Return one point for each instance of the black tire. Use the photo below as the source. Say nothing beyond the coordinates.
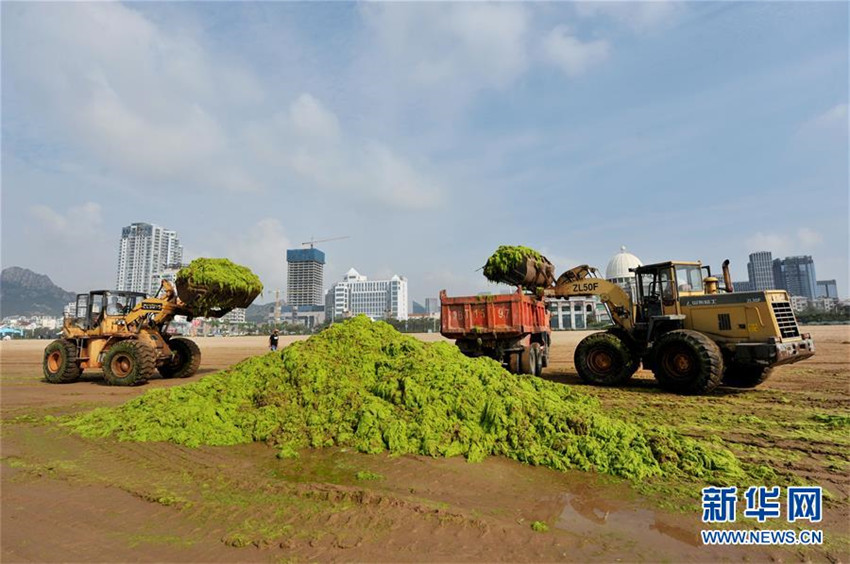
(527, 362)
(514, 363)
(634, 348)
(60, 362)
(129, 363)
(687, 362)
(603, 359)
(537, 356)
(743, 376)
(185, 361)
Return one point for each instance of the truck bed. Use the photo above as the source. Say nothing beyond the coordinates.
(505, 316)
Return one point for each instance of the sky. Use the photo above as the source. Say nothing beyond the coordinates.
(429, 134)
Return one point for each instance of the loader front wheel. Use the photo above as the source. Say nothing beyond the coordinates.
(60, 362)
(743, 376)
(603, 359)
(185, 360)
(129, 363)
(687, 362)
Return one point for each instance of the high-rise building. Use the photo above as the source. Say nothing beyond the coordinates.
(305, 276)
(760, 271)
(432, 306)
(827, 289)
(379, 299)
(144, 253)
(743, 286)
(797, 275)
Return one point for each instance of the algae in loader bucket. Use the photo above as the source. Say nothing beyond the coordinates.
(521, 266)
(215, 286)
(362, 384)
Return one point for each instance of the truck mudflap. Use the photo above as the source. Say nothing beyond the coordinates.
(775, 354)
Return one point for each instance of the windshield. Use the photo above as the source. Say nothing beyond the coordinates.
(689, 278)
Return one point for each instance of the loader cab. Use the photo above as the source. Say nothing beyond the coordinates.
(661, 285)
(94, 306)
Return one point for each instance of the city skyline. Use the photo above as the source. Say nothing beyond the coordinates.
(431, 134)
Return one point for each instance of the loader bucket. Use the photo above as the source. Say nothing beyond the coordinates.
(519, 266)
(213, 287)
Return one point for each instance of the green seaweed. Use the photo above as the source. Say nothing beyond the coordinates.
(539, 526)
(226, 285)
(364, 385)
(509, 259)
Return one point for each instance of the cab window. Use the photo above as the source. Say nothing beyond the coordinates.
(689, 278)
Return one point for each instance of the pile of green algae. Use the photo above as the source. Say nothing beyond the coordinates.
(363, 385)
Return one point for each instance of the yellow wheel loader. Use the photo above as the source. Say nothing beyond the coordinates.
(692, 334)
(125, 334)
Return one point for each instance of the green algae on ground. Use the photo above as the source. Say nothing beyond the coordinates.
(507, 260)
(362, 384)
(539, 527)
(225, 285)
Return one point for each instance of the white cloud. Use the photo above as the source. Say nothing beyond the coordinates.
(809, 237)
(68, 238)
(833, 120)
(441, 44)
(311, 119)
(638, 16)
(308, 142)
(803, 241)
(262, 248)
(147, 105)
(570, 54)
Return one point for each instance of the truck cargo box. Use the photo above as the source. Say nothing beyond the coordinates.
(493, 316)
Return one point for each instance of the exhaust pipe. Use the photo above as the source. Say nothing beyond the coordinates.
(727, 278)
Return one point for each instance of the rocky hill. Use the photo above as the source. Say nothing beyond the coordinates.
(24, 292)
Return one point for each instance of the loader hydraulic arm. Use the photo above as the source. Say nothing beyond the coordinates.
(584, 281)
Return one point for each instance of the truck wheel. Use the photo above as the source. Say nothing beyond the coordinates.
(743, 376)
(687, 362)
(604, 360)
(537, 355)
(60, 362)
(128, 363)
(527, 361)
(514, 363)
(185, 361)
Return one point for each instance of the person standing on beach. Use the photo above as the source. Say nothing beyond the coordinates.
(273, 338)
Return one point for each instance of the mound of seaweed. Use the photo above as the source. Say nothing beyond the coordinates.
(362, 384)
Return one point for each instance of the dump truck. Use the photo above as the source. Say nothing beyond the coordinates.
(682, 325)
(510, 328)
(126, 335)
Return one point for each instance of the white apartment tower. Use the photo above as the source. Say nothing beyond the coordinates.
(145, 252)
(378, 299)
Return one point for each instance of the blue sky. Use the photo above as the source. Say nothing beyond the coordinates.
(428, 133)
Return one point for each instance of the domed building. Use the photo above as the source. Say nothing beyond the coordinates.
(618, 271)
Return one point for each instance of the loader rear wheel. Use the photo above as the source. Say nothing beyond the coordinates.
(128, 363)
(185, 360)
(604, 360)
(687, 362)
(743, 376)
(60, 362)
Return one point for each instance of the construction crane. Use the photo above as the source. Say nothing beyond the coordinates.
(313, 241)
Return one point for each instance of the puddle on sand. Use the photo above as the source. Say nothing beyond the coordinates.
(589, 515)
